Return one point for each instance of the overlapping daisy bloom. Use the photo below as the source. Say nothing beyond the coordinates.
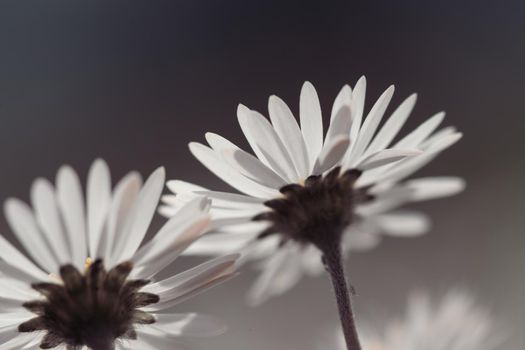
(301, 185)
(455, 322)
(87, 279)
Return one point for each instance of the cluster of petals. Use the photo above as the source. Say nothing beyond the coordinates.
(63, 226)
(287, 152)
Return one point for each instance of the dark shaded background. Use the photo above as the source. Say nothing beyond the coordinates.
(134, 81)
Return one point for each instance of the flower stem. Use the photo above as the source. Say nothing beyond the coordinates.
(333, 262)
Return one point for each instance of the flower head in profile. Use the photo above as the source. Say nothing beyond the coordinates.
(87, 279)
(302, 192)
(455, 322)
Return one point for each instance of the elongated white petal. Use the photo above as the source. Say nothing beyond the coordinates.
(175, 236)
(403, 223)
(331, 154)
(434, 187)
(8, 333)
(344, 97)
(409, 166)
(185, 285)
(98, 202)
(215, 164)
(245, 163)
(357, 107)
(290, 134)
(178, 186)
(71, 204)
(222, 242)
(419, 134)
(47, 215)
(149, 338)
(14, 264)
(231, 200)
(311, 121)
(392, 126)
(340, 125)
(280, 273)
(23, 224)
(252, 168)
(265, 143)
(189, 325)
(370, 125)
(22, 341)
(139, 217)
(384, 157)
(124, 195)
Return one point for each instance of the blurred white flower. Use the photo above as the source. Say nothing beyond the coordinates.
(455, 322)
(302, 189)
(64, 298)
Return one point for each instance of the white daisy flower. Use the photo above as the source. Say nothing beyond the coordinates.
(456, 322)
(61, 296)
(301, 192)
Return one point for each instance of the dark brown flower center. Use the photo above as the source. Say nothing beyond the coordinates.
(91, 309)
(318, 211)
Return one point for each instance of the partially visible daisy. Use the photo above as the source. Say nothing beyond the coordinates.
(87, 280)
(306, 197)
(455, 322)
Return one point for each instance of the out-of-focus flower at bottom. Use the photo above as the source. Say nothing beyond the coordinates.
(455, 322)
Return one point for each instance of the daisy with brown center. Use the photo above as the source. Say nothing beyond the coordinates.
(307, 198)
(88, 280)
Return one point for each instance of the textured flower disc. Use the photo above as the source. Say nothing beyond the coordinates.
(318, 212)
(91, 309)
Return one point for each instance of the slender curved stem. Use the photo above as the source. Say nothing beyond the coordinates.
(334, 266)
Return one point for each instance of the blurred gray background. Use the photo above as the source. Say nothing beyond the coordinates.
(135, 81)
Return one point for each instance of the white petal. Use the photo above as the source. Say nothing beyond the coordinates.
(370, 126)
(384, 157)
(124, 196)
(19, 342)
(290, 134)
(178, 186)
(231, 200)
(449, 130)
(139, 217)
(98, 202)
(409, 166)
(48, 217)
(222, 243)
(9, 332)
(252, 168)
(281, 272)
(434, 187)
(340, 125)
(311, 121)
(403, 223)
(153, 339)
(71, 204)
(265, 143)
(392, 126)
(224, 171)
(245, 163)
(175, 236)
(357, 107)
(385, 201)
(12, 258)
(23, 224)
(419, 134)
(189, 325)
(332, 154)
(358, 238)
(189, 283)
(344, 97)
